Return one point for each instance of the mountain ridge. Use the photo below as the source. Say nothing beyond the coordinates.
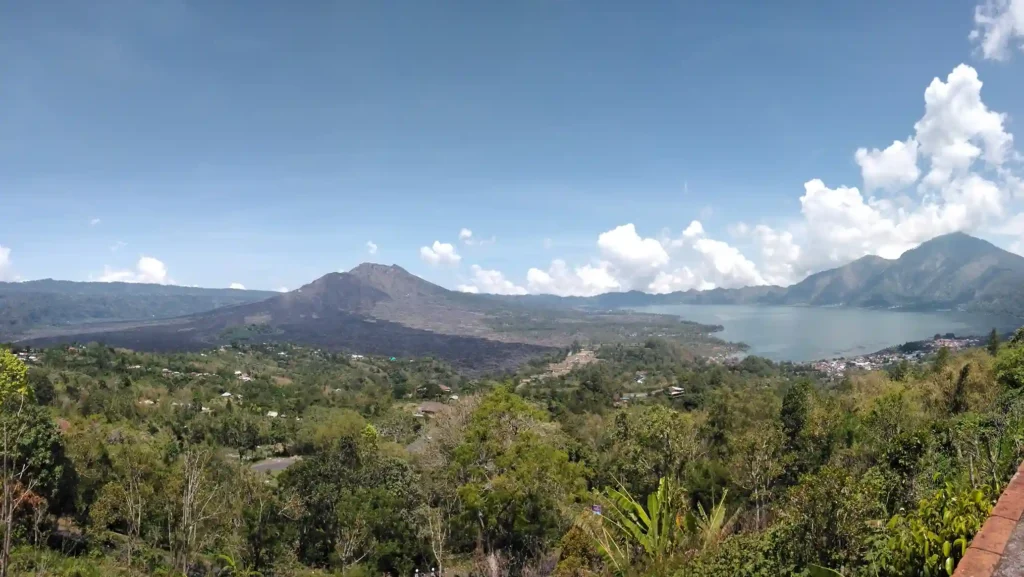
(955, 270)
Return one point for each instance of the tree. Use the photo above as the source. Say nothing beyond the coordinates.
(1018, 337)
(1009, 367)
(648, 443)
(757, 460)
(269, 520)
(958, 397)
(197, 503)
(438, 527)
(355, 506)
(795, 406)
(42, 387)
(993, 343)
(128, 498)
(515, 480)
(941, 359)
(32, 460)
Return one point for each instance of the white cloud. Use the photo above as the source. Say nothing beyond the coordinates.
(147, 270)
(694, 229)
(891, 169)
(624, 246)
(6, 273)
(371, 247)
(682, 279)
(780, 255)
(726, 266)
(547, 243)
(998, 25)
(957, 127)
(283, 289)
(237, 286)
(587, 280)
(491, 282)
(440, 253)
(955, 172)
(117, 246)
(94, 222)
(467, 238)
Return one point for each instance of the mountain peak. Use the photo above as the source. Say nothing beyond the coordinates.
(371, 268)
(394, 280)
(955, 245)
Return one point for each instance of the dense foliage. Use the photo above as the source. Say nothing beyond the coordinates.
(279, 460)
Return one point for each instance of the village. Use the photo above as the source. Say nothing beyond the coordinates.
(910, 352)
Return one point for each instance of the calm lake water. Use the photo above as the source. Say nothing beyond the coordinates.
(785, 333)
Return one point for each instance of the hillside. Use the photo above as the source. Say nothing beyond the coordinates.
(947, 272)
(954, 271)
(385, 310)
(47, 304)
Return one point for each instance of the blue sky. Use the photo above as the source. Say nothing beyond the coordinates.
(267, 144)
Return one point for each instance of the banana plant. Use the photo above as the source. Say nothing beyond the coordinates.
(233, 568)
(710, 527)
(628, 527)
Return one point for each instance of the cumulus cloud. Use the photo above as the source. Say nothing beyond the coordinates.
(491, 282)
(147, 270)
(682, 279)
(466, 237)
(694, 229)
(440, 253)
(371, 247)
(890, 169)
(94, 222)
(954, 172)
(957, 127)
(999, 25)
(5, 264)
(625, 246)
(237, 286)
(726, 266)
(586, 280)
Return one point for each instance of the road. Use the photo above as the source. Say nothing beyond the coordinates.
(274, 464)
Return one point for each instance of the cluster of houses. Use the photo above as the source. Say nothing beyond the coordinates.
(670, 392)
(27, 357)
(430, 408)
(835, 368)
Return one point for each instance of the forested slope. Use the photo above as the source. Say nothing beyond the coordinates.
(131, 463)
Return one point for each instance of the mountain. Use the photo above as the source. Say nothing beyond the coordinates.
(385, 310)
(34, 306)
(953, 271)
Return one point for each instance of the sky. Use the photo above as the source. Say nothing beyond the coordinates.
(555, 146)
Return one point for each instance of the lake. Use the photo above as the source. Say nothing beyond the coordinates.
(794, 333)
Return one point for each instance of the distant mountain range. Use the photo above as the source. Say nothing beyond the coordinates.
(954, 271)
(378, 309)
(47, 304)
(385, 310)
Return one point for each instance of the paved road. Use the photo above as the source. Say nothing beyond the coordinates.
(275, 464)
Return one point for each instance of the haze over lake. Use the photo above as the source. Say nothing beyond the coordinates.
(793, 333)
